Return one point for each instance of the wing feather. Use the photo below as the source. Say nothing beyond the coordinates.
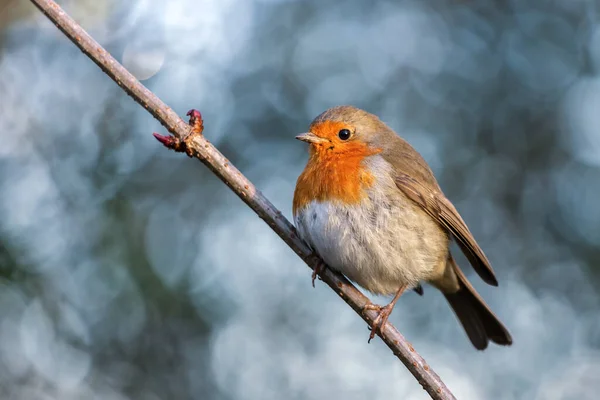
(444, 212)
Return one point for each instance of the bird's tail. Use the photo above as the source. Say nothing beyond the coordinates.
(477, 319)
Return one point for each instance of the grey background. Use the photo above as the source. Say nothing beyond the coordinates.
(130, 272)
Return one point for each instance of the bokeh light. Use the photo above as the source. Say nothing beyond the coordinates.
(131, 272)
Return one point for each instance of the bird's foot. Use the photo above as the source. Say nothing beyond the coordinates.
(383, 313)
(319, 268)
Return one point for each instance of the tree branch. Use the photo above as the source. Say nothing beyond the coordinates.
(190, 140)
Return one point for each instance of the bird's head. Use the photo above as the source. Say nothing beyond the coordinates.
(345, 130)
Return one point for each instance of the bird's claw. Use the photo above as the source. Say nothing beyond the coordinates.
(317, 271)
(383, 313)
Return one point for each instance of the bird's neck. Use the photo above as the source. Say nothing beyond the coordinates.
(338, 176)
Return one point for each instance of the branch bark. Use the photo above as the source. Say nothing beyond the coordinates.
(191, 140)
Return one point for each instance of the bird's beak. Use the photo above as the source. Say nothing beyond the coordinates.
(310, 137)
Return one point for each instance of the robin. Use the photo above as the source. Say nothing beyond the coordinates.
(369, 205)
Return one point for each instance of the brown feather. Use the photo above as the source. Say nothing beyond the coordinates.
(440, 208)
(480, 323)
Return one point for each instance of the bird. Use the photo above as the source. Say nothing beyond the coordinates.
(369, 206)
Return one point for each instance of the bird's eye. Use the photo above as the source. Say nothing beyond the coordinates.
(344, 134)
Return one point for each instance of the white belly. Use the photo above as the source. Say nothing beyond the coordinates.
(381, 244)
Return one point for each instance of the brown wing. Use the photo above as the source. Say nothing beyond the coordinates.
(440, 208)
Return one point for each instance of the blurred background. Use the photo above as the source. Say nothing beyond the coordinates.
(130, 272)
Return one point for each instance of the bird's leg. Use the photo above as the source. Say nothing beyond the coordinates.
(317, 271)
(383, 313)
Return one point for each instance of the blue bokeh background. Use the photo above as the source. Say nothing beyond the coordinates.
(131, 272)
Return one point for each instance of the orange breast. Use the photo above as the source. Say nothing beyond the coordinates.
(334, 176)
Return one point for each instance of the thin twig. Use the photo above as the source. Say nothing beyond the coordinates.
(191, 140)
